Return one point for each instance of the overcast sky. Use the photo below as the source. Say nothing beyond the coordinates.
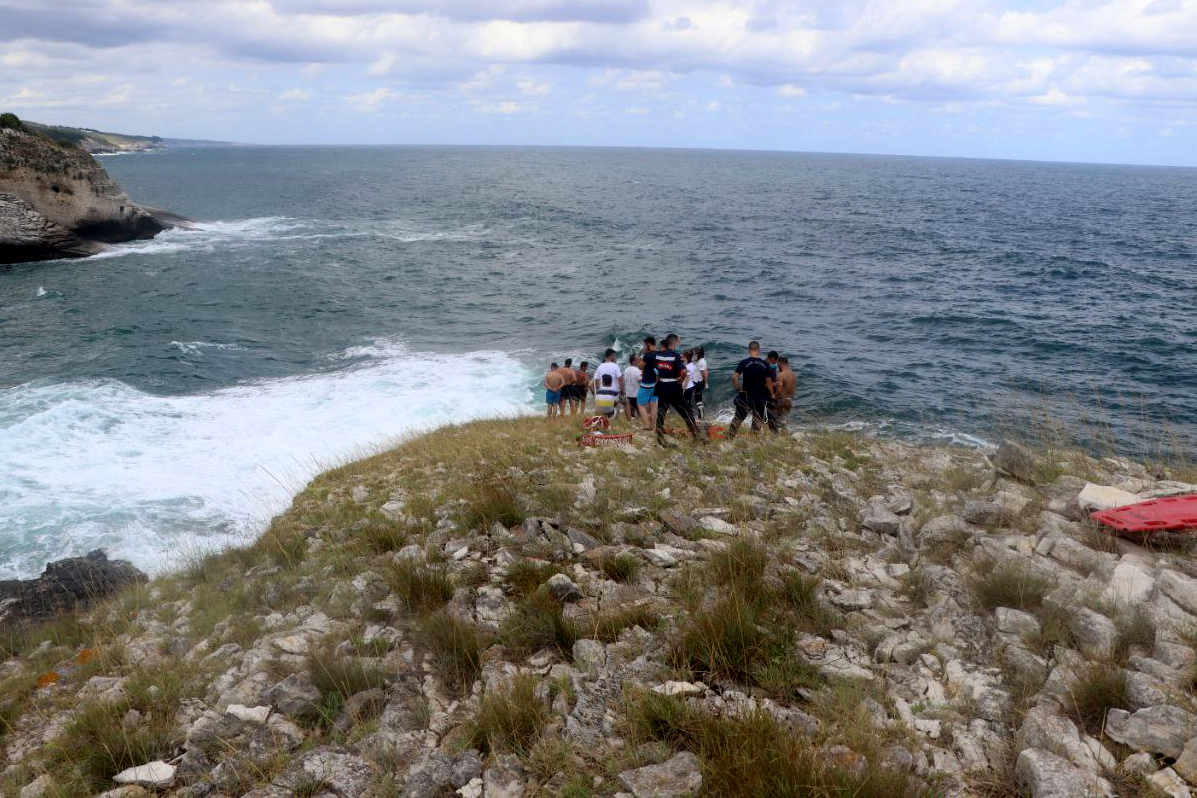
(1074, 80)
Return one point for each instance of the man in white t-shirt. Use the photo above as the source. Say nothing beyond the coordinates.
(607, 384)
(631, 383)
(701, 376)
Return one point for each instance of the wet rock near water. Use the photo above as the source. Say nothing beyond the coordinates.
(64, 586)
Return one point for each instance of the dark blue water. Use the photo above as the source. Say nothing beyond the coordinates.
(333, 296)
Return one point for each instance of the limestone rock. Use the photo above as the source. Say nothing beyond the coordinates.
(151, 774)
(1046, 775)
(680, 775)
(1180, 588)
(336, 770)
(876, 517)
(1016, 460)
(56, 201)
(1131, 582)
(1186, 763)
(39, 787)
(1095, 634)
(294, 695)
(1162, 729)
(1016, 622)
(1170, 784)
(563, 588)
(1103, 497)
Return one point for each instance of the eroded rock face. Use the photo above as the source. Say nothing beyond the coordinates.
(57, 202)
(63, 586)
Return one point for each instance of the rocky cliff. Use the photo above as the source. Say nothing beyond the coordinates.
(490, 610)
(57, 202)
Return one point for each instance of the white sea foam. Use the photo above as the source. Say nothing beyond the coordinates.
(208, 237)
(197, 347)
(152, 478)
(41, 290)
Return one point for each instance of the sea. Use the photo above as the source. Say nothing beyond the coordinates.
(169, 396)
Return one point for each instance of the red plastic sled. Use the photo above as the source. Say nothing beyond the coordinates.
(1169, 514)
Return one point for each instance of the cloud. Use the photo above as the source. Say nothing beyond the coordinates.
(1111, 58)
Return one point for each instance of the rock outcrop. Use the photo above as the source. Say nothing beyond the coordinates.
(65, 585)
(861, 616)
(57, 202)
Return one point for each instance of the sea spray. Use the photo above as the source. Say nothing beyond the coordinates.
(152, 478)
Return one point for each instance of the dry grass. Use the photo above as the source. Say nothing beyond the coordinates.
(752, 756)
(420, 586)
(537, 622)
(456, 648)
(509, 719)
(1093, 690)
(1010, 585)
(524, 577)
(620, 567)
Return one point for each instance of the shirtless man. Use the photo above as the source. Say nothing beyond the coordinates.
(787, 381)
(581, 387)
(567, 383)
(553, 382)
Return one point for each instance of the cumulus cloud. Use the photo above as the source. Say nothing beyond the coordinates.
(494, 57)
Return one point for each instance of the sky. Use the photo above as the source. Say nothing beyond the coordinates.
(1072, 80)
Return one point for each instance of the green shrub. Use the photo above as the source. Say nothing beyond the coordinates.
(510, 719)
(10, 121)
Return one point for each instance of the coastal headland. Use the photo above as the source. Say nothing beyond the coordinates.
(491, 609)
(56, 201)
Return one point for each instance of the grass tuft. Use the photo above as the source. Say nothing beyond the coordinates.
(382, 537)
(420, 587)
(607, 626)
(523, 577)
(1093, 690)
(537, 622)
(509, 719)
(491, 502)
(750, 755)
(456, 648)
(620, 567)
(729, 640)
(740, 567)
(1011, 585)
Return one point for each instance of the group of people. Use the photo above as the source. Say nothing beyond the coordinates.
(659, 378)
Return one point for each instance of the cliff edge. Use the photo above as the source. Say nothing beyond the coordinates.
(57, 202)
(493, 610)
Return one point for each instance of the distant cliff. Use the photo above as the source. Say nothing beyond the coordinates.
(57, 202)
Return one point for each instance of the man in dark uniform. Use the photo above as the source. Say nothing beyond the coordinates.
(671, 373)
(753, 381)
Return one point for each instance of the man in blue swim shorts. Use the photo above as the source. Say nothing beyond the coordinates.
(553, 382)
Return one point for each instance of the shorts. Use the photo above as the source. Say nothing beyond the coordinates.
(646, 395)
(577, 393)
(552, 397)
